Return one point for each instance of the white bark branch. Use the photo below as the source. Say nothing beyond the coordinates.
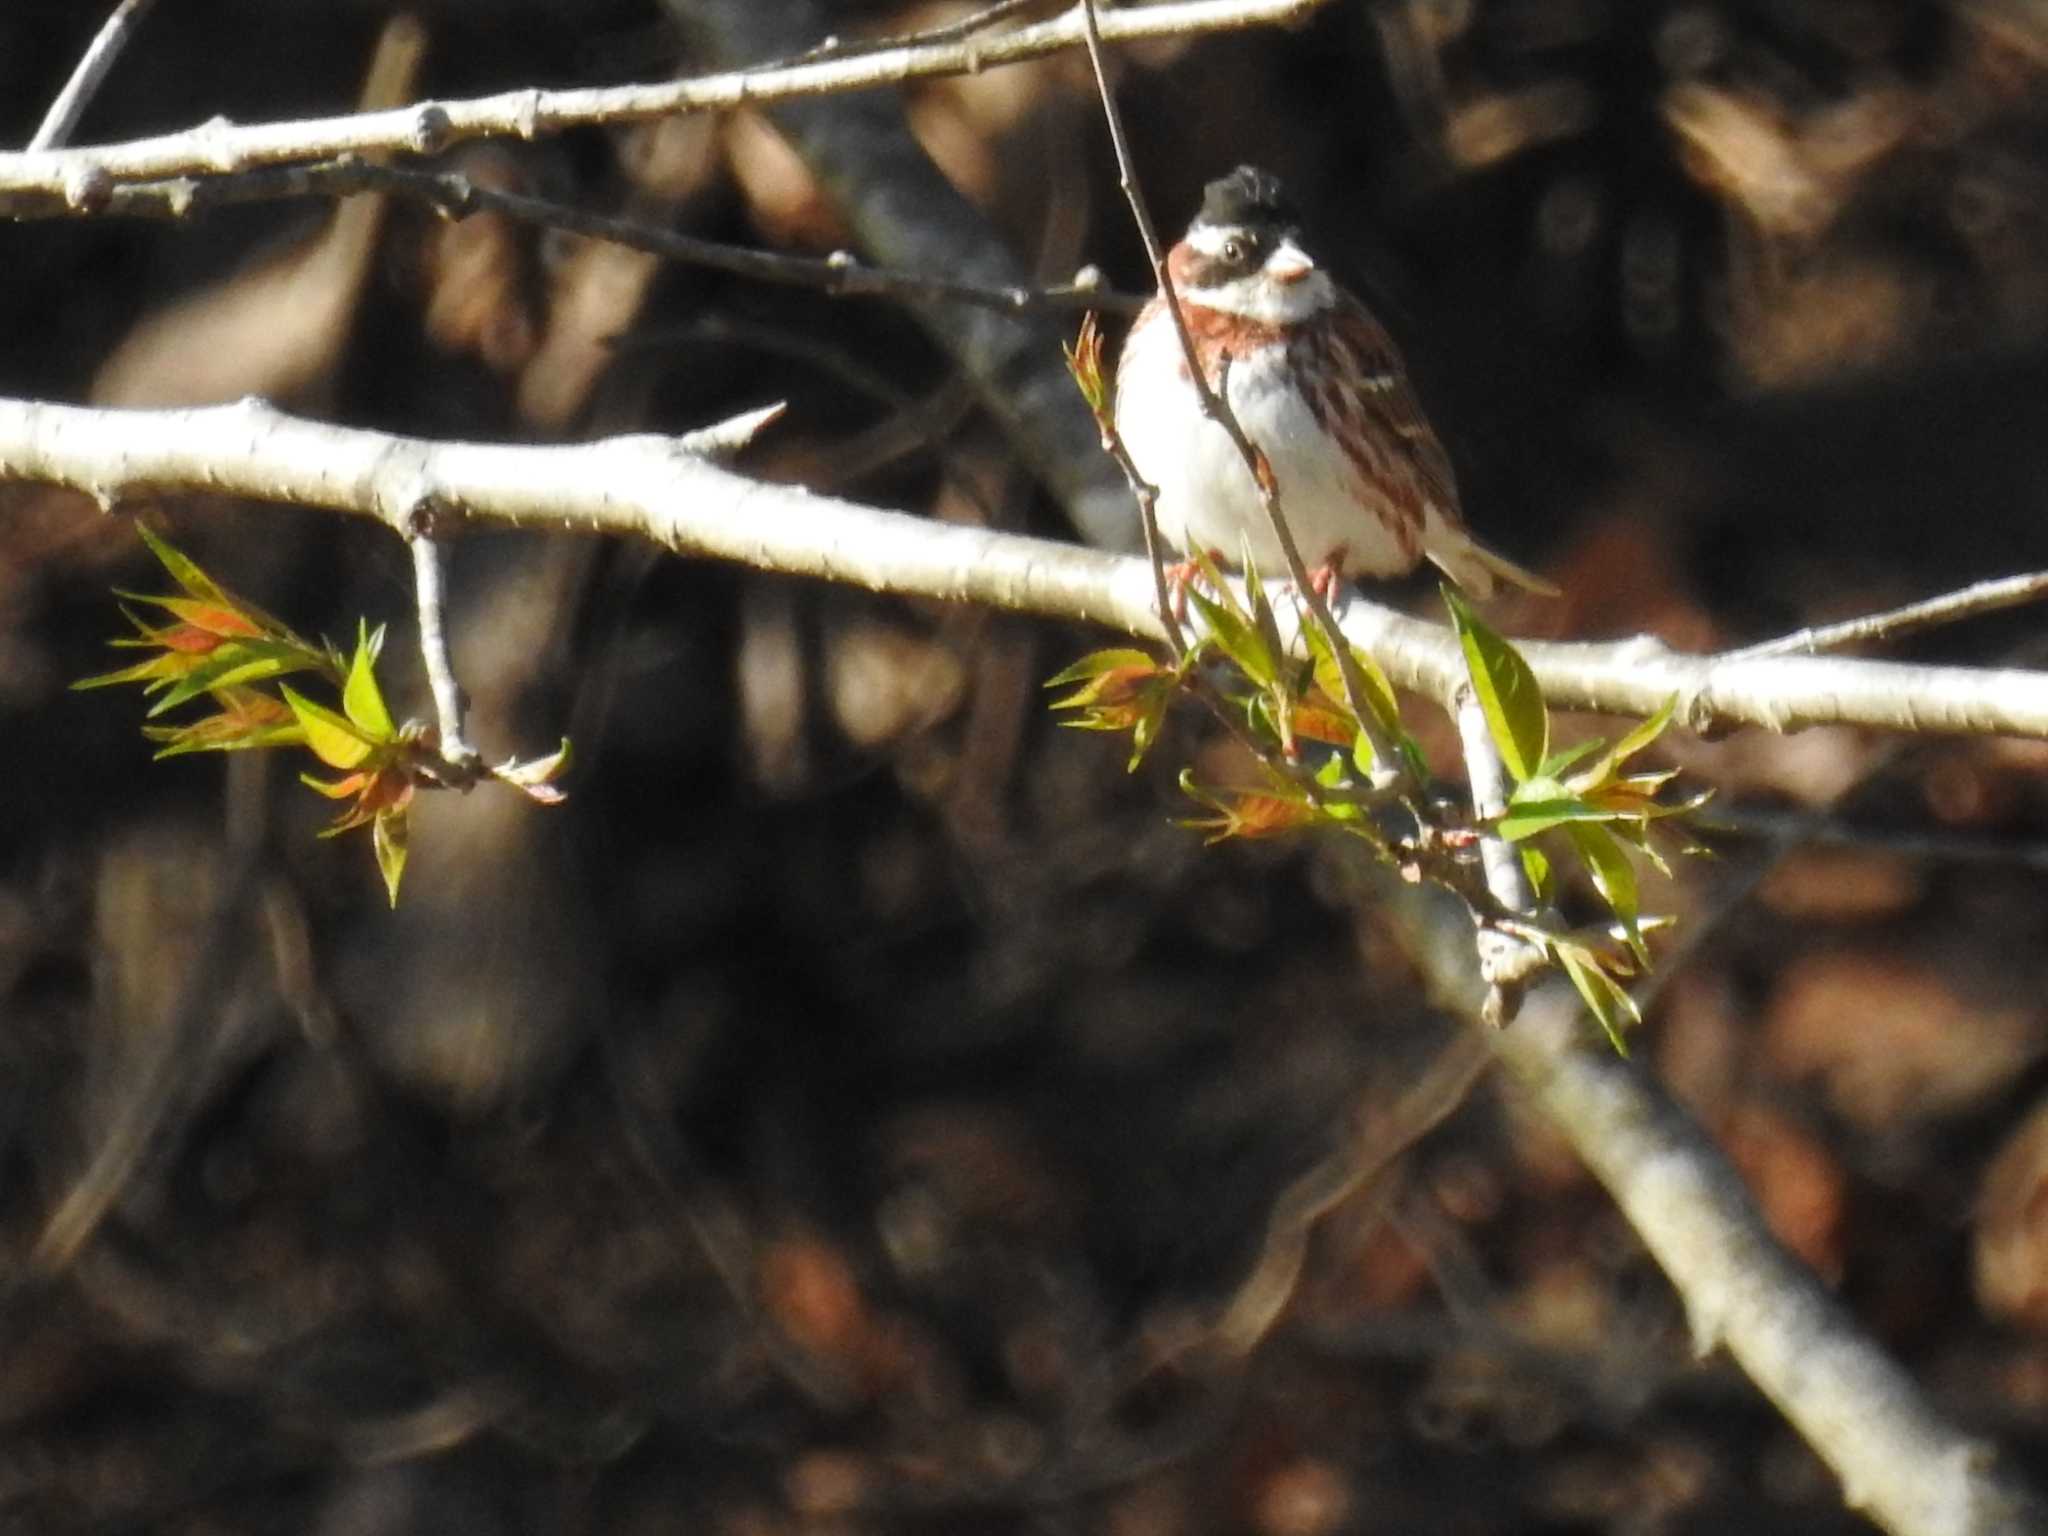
(429, 583)
(56, 181)
(1780, 693)
(669, 490)
(1901, 1463)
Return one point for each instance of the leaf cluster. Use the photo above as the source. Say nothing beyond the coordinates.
(224, 649)
(1585, 805)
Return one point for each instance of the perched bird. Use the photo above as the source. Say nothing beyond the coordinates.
(1316, 382)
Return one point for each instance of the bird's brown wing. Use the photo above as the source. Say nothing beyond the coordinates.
(1392, 415)
(1398, 452)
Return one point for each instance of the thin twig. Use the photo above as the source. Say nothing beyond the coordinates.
(87, 78)
(1088, 353)
(457, 196)
(428, 559)
(1375, 1136)
(55, 183)
(1928, 613)
(1827, 828)
(948, 32)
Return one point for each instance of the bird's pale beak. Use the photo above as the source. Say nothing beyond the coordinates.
(1289, 264)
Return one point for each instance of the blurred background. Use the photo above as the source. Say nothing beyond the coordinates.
(861, 1107)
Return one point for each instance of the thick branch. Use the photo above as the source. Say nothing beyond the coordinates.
(53, 182)
(1899, 1461)
(666, 490)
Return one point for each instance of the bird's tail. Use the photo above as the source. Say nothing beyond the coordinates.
(1479, 570)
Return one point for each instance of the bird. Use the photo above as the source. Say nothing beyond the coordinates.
(1317, 384)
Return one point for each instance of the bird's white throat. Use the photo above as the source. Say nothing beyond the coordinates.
(1260, 298)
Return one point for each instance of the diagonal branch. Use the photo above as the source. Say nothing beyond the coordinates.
(1899, 1461)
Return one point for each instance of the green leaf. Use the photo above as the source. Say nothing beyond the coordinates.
(1536, 865)
(1119, 690)
(389, 835)
(1647, 732)
(234, 664)
(336, 789)
(1614, 878)
(1605, 997)
(1097, 663)
(1637, 739)
(1265, 714)
(1515, 716)
(1234, 631)
(1525, 819)
(1146, 727)
(157, 672)
(224, 619)
(1555, 765)
(1379, 690)
(1364, 759)
(1084, 362)
(334, 740)
(183, 571)
(361, 699)
(248, 718)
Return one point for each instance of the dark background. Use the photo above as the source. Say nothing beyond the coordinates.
(850, 1111)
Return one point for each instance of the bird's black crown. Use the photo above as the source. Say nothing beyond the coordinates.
(1247, 195)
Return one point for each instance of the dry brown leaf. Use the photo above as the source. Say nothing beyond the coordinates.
(1892, 1039)
(1841, 885)
(2010, 1249)
(1800, 1187)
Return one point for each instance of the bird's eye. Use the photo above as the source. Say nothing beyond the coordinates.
(1234, 251)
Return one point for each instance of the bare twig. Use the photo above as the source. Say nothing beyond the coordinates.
(48, 183)
(87, 78)
(428, 561)
(1085, 361)
(1949, 608)
(1376, 1135)
(947, 32)
(667, 490)
(1147, 495)
(1791, 828)
(840, 274)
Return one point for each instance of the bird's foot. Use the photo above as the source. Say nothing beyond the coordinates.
(1325, 579)
(1180, 576)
